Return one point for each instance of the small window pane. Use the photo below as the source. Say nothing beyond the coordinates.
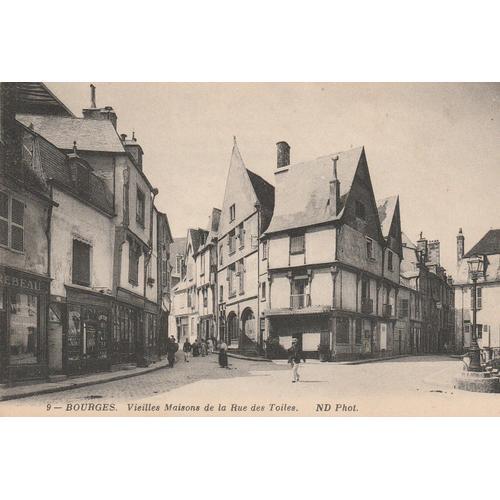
(4, 205)
(4, 232)
(17, 236)
(17, 212)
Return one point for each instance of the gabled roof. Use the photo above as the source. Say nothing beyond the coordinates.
(178, 246)
(198, 238)
(489, 244)
(386, 208)
(89, 134)
(265, 194)
(37, 98)
(303, 190)
(50, 164)
(407, 242)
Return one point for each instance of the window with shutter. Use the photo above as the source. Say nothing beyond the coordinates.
(4, 219)
(81, 263)
(297, 244)
(17, 225)
(241, 272)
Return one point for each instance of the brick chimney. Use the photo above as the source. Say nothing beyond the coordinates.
(422, 248)
(283, 153)
(434, 249)
(95, 113)
(334, 189)
(133, 148)
(460, 246)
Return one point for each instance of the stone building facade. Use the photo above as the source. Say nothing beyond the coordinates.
(104, 255)
(488, 294)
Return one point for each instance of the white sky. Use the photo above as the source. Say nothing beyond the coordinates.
(436, 145)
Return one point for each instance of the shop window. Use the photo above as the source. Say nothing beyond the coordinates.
(23, 328)
(140, 207)
(11, 222)
(342, 330)
(81, 263)
(297, 244)
(357, 336)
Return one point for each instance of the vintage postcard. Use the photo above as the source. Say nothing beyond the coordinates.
(263, 249)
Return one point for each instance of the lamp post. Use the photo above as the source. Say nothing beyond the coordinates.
(475, 269)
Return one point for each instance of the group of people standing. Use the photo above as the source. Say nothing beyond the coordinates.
(198, 348)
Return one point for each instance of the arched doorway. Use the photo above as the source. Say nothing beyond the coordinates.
(232, 328)
(248, 326)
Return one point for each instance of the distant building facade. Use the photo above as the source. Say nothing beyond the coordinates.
(488, 294)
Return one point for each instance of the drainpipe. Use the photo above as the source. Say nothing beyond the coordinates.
(257, 321)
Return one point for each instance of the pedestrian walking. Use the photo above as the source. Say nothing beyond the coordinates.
(196, 348)
(210, 345)
(295, 356)
(223, 355)
(203, 347)
(172, 348)
(186, 348)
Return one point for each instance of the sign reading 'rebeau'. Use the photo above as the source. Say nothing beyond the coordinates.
(32, 284)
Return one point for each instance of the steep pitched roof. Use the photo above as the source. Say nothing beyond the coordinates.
(489, 244)
(303, 190)
(386, 208)
(51, 164)
(407, 242)
(37, 98)
(265, 194)
(178, 246)
(198, 238)
(89, 134)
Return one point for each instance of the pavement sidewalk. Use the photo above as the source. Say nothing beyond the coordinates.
(35, 389)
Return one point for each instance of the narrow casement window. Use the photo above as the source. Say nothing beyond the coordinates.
(369, 248)
(297, 244)
(232, 241)
(4, 219)
(389, 260)
(232, 212)
(265, 249)
(140, 207)
(241, 273)
(81, 263)
(241, 235)
(479, 298)
(263, 292)
(133, 263)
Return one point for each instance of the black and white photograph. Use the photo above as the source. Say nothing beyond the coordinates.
(249, 249)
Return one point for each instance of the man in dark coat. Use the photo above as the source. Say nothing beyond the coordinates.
(295, 356)
(172, 348)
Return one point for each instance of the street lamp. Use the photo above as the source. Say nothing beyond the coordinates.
(475, 269)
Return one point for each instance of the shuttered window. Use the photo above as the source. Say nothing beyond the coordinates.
(11, 222)
(4, 219)
(81, 263)
(297, 244)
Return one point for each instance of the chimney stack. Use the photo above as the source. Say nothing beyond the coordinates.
(123, 137)
(283, 150)
(422, 249)
(92, 96)
(460, 246)
(335, 189)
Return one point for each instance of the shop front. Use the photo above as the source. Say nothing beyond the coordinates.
(23, 325)
(135, 336)
(86, 344)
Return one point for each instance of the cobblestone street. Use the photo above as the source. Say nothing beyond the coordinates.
(406, 386)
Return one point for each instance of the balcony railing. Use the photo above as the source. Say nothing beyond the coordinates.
(366, 306)
(387, 310)
(299, 301)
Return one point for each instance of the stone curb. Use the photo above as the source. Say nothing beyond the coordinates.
(77, 385)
